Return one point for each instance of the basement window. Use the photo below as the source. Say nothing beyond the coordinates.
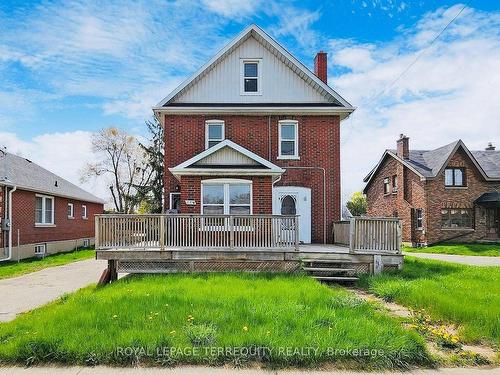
(40, 249)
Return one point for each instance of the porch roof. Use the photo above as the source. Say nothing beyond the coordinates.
(225, 159)
(491, 199)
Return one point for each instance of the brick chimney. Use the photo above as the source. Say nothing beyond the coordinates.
(490, 147)
(321, 66)
(403, 149)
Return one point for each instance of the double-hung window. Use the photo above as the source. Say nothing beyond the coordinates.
(387, 185)
(71, 211)
(44, 210)
(288, 139)
(419, 218)
(250, 80)
(395, 184)
(214, 132)
(84, 212)
(454, 177)
(226, 197)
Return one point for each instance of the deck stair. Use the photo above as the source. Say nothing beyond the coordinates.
(330, 270)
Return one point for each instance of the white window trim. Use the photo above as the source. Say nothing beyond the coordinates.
(40, 246)
(171, 200)
(72, 216)
(86, 242)
(295, 156)
(417, 227)
(226, 182)
(44, 223)
(242, 75)
(214, 122)
(84, 212)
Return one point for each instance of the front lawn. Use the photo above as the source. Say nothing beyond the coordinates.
(486, 249)
(14, 268)
(277, 320)
(466, 295)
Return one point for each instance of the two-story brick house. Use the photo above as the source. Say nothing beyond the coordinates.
(446, 194)
(40, 212)
(254, 131)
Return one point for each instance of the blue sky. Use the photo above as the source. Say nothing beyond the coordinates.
(69, 68)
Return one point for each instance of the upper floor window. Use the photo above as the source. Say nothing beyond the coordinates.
(387, 185)
(84, 212)
(288, 139)
(395, 184)
(251, 82)
(454, 177)
(214, 132)
(71, 211)
(44, 210)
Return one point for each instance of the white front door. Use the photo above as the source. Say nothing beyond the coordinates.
(294, 200)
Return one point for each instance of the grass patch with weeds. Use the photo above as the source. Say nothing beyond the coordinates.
(14, 268)
(468, 296)
(277, 320)
(485, 249)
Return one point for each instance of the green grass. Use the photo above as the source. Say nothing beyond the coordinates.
(13, 268)
(491, 249)
(465, 295)
(283, 315)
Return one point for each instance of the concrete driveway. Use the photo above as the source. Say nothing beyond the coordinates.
(26, 292)
(462, 259)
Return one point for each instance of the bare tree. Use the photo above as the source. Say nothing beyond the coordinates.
(123, 162)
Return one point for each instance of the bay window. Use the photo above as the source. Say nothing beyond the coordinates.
(44, 210)
(226, 197)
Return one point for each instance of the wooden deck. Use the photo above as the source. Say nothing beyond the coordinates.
(166, 244)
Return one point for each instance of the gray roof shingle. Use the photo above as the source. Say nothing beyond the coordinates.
(27, 175)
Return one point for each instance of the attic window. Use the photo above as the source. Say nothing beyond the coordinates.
(250, 77)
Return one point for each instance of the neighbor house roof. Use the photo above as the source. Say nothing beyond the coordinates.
(27, 175)
(429, 163)
(334, 99)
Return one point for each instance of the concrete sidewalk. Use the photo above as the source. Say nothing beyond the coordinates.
(470, 260)
(26, 292)
(224, 371)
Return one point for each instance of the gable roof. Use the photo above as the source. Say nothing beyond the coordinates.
(428, 164)
(27, 175)
(284, 56)
(249, 162)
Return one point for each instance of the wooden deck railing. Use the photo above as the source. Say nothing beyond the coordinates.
(196, 232)
(375, 235)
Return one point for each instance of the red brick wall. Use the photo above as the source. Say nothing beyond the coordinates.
(431, 196)
(23, 218)
(319, 146)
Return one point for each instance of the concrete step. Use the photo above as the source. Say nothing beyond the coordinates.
(335, 278)
(326, 269)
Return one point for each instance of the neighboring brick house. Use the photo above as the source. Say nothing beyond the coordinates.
(42, 213)
(446, 194)
(254, 131)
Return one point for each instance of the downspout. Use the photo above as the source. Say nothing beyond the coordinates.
(9, 257)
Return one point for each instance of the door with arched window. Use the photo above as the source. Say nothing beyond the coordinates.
(294, 200)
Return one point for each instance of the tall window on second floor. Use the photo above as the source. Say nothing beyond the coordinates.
(288, 139)
(251, 77)
(44, 210)
(454, 177)
(214, 132)
(387, 186)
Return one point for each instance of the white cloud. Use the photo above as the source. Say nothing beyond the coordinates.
(233, 8)
(450, 93)
(64, 154)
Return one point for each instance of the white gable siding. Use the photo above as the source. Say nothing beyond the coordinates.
(279, 84)
(226, 156)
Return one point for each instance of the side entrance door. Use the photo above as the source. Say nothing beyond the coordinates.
(294, 200)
